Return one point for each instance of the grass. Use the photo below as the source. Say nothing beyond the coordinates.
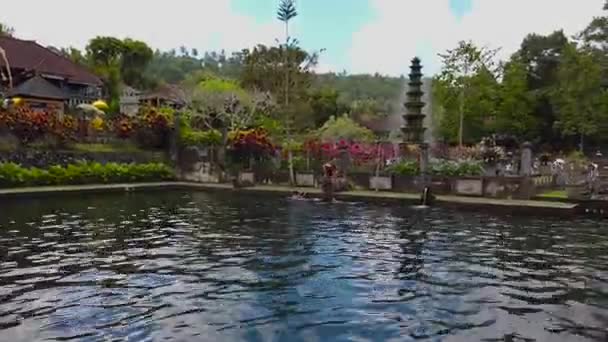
(556, 194)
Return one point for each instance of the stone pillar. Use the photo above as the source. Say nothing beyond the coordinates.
(424, 159)
(526, 186)
(525, 165)
(424, 179)
(343, 160)
(174, 138)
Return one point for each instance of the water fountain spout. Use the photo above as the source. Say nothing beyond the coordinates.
(427, 198)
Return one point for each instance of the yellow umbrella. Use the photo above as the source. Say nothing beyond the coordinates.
(17, 101)
(101, 105)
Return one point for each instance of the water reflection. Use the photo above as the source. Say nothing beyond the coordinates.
(193, 266)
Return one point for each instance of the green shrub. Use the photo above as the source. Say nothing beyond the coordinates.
(404, 168)
(200, 138)
(440, 168)
(456, 169)
(13, 175)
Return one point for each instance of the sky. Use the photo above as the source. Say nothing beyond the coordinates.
(358, 36)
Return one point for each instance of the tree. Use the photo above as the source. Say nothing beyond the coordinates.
(541, 56)
(364, 96)
(457, 66)
(481, 104)
(105, 51)
(578, 95)
(344, 128)
(104, 55)
(478, 107)
(119, 61)
(75, 55)
(324, 104)
(264, 70)
(595, 35)
(514, 114)
(285, 13)
(6, 30)
(136, 55)
(224, 106)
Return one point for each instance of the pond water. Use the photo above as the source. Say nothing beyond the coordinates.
(190, 266)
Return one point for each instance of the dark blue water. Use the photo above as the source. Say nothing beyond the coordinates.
(175, 266)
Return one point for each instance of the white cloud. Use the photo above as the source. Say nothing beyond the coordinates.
(202, 24)
(405, 28)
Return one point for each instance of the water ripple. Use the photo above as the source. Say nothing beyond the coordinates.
(192, 266)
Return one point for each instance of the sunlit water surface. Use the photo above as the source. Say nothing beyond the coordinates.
(184, 266)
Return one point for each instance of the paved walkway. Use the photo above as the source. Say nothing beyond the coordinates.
(531, 206)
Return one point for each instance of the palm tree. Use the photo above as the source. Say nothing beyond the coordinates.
(286, 12)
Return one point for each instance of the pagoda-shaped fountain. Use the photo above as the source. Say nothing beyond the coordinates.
(413, 129)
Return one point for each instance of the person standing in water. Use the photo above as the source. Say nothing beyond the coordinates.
(327, 184)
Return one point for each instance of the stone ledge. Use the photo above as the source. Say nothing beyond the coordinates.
(524, 207)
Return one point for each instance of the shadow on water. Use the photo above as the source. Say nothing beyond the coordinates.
(192, 266)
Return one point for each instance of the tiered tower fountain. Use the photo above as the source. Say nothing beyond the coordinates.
(413, 130)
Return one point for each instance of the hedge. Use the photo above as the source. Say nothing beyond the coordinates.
(14, 175)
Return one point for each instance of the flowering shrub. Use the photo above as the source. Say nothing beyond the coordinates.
(29, 125)
(247, 145)
(124, 126)
(153, 126)
(25, 124)
(62, 129)
(362, 154)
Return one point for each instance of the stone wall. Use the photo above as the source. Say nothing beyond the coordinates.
(46, 158)
(495, 187)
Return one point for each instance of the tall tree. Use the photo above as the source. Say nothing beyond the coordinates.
(136, 55)
(458, 65)
(119, 61)
(595, 35)
(104, 55)
(479, 107)
(542, 55)
(286, 12)
(514, 113)
(264, 69)
(578, 95)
